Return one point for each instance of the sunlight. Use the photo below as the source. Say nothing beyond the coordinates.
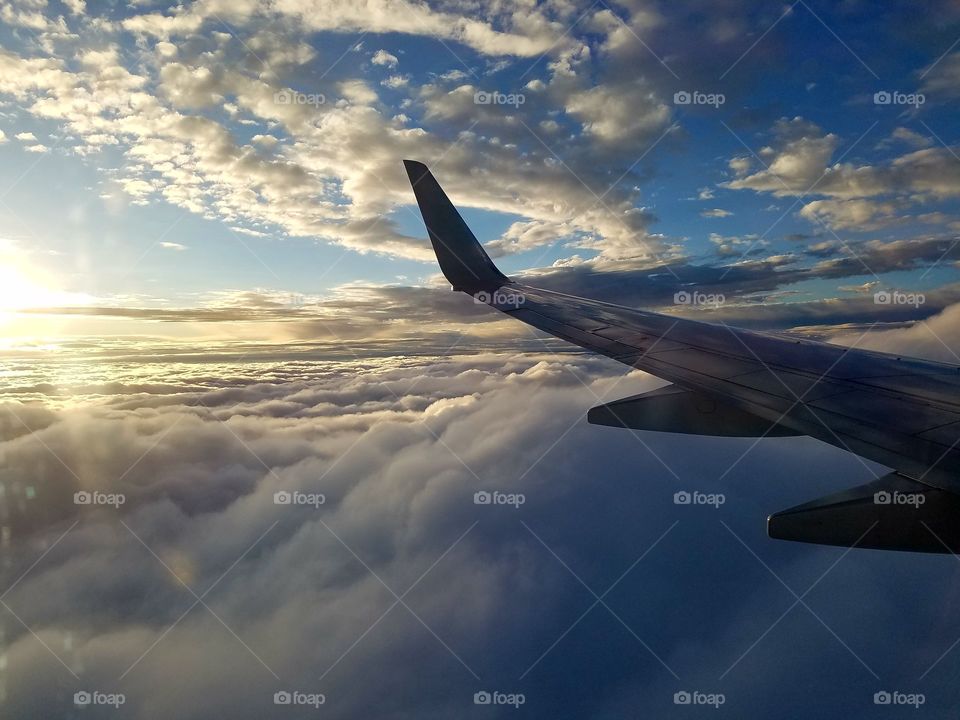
(21, 290)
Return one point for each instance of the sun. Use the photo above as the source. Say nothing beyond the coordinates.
(21, 290)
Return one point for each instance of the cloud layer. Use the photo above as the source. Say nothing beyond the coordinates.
(315, 598)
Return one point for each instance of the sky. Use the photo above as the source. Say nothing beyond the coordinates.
(215, 286)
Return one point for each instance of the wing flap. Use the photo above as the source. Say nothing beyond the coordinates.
(891, 513)
(676, 410)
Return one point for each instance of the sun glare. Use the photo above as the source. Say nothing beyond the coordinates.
(20, 290)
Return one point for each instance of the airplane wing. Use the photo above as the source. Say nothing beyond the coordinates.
(899, 411)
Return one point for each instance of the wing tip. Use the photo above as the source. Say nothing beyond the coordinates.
(462, 259)
(415, 168)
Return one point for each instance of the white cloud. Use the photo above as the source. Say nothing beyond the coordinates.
(396, 81)
(382, 57)
(799, 162)
(937, 338)
(858, 215)
(716, 213)
(632, 113)
(528, 32)
(910, 137)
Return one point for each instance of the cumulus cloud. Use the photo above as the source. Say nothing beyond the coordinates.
(859, 215)
(325, 161)
(855, 196)
(619, 114)
(382, 57)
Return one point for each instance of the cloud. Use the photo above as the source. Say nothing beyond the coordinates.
(328, 167)
(398, 446)
(382, 57)
(854, 197)
(943, 77)
(858, 215)
(795, 166)
(632, 113)
(716, 213)
(910, 137)
(534, 35)
(935, 338)
(803, 159)
(525, 236)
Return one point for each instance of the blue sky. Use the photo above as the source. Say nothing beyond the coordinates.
(110, 198)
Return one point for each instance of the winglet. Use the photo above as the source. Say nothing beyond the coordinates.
(462, 258)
